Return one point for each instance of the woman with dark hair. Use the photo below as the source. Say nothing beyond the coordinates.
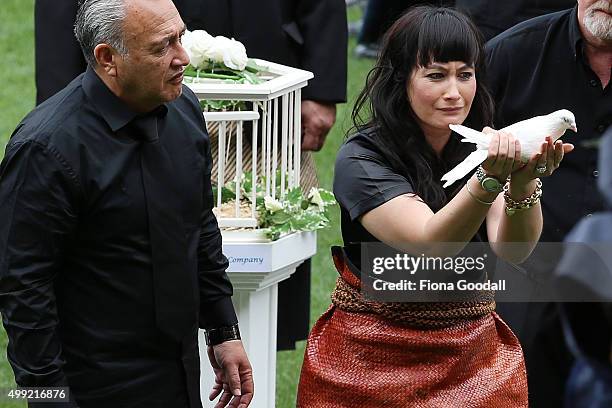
(364, 353)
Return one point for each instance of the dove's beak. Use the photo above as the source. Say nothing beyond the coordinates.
(574, 127)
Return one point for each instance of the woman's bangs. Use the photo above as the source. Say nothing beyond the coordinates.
(444, 37)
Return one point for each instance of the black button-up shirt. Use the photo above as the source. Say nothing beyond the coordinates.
(494, 17)
(76, 284)
(535, 68)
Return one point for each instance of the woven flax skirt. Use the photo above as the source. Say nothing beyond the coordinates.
(361, 359)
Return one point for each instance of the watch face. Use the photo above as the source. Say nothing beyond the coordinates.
(491, 185)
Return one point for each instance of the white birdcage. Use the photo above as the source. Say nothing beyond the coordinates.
(275, 111)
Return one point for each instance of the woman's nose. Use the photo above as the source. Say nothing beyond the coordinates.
(452, 91)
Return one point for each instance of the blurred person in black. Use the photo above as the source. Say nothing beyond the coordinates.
(559, 60)
(378, 17)
(111, 254)
(585, 272)
(308, 34)
(494, 17)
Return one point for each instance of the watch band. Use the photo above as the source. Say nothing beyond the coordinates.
(485, 179)
(222, 334)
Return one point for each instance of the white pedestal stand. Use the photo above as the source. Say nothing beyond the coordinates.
(255, 270)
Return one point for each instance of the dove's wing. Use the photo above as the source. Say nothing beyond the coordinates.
(463, 168)
(535, 127)
(471, 136)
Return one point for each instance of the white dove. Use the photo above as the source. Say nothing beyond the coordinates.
(530, 133)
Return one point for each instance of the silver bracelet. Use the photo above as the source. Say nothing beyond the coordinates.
(513, 206)
(467, 187)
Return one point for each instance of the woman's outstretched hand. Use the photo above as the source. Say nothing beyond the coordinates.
(504, 154)
(542, 164)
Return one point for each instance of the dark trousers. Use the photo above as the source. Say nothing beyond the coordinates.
(294, 308)
(58, 55)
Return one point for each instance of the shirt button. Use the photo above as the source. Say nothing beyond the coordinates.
(595, 173)
(601, 128)
(594, 82)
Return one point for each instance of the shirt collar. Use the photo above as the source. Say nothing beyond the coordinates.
(114, 111)
(575, 36)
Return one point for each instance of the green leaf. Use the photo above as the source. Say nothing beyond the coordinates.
(254, 67)
(327, 196)
(251, 78)
(294, 196)
(226, 194)
(247, 183)
(259, 201)
(218, 105)
(280, 217)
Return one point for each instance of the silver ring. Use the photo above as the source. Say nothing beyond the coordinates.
(541, 169)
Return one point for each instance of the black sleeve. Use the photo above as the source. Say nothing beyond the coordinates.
(323, 26)
(364, 181)
(38, 216)
(57, 53)
(216, 308)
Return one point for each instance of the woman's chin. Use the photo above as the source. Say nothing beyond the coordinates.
(456, 119)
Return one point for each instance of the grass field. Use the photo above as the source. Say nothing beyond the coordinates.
(17, 99)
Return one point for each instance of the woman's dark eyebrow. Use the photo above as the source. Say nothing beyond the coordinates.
(443, 67)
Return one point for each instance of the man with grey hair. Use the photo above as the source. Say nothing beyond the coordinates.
(111, 255)
(559, 60)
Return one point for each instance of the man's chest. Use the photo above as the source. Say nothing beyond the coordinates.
(117, 195)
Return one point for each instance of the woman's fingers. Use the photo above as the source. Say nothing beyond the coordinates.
(558, 156)
(550, 157)
(487, 130)
(517, 156)
(543, 154)
(507, 140)
(545, 162)
(504, 155)
(493, 150)
(542, 167)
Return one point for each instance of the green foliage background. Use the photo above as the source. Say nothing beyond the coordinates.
(17, 97)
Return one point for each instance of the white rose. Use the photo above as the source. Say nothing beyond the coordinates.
(272, 205)
(198, 44)
(315, 197)
(234, 55)
(229, 52)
